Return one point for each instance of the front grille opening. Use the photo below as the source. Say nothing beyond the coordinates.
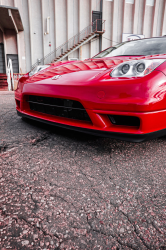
(58, 107)
(124, 120)
(17, 104)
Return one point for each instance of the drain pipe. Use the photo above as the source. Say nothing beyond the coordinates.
(100, 36)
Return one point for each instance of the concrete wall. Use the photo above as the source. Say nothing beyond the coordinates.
(7, 2)
(68, 17)
(11, 42)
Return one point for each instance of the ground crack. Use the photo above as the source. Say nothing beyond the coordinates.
(40, 138)
(45, 233)
(135, 230)
(110, 235)
(3, 148)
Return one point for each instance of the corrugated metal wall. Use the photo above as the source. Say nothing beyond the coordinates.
(68, 17)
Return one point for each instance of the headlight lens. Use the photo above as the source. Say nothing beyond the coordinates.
(136, 68)
(37, 69)
(125, 68)
(140, 67)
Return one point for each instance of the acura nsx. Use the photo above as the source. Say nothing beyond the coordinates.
(119, 93)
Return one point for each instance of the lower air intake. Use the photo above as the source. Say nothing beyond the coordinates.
(124, 120)
(58, 107)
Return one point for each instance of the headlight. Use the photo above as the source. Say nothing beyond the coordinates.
(136, 68)
(37, 69)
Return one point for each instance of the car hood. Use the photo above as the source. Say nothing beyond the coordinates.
(81, 70)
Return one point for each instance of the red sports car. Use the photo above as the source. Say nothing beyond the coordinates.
(120, 93)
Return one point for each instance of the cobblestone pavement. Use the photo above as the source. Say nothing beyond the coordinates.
(67, 190)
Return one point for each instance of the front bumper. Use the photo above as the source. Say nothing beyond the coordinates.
(114, 135)
(149, 121)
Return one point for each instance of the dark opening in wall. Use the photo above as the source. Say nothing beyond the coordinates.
(15, 64)
(2, 59)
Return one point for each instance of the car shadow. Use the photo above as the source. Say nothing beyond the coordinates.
(72, 134)
(85, 137)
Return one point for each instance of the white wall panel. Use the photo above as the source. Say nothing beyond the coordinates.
(118, 11)
(11, 42)
(73, 22)
(84, 14)
(61, 22)
(7, 2)
(85, 19)
(108, 16)
(26, 24)
(129, 1)
(158, 17)
(94, 44)
(46, 26)
(164, 20)
(96, 5)
(128, 18)
(21, 39)
(94, 47)
(36, 31)
(138, 17)
(148, 21)
(52, 25)
(150, 2)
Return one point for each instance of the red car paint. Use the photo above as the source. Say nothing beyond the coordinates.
(90, 83)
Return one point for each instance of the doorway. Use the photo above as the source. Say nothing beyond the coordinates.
(97, 15)
(2, 59)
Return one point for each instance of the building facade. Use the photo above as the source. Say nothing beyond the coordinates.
(30, 30)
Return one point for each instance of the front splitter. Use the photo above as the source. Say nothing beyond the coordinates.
(113, 135)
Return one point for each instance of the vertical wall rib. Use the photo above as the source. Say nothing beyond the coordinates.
(36, 31)
(164, 20)
(138, 17)
(148, 21)
(48, 20)
(84, 17)
(61, 22)
(108, 16)
(118, 7)
(25, 19)
(128, 18)
(72, 22)
(94, 44)
(21, 40)
(158, 18)
(7, 2)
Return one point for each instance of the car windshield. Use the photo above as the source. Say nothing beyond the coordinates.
(143, 47)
